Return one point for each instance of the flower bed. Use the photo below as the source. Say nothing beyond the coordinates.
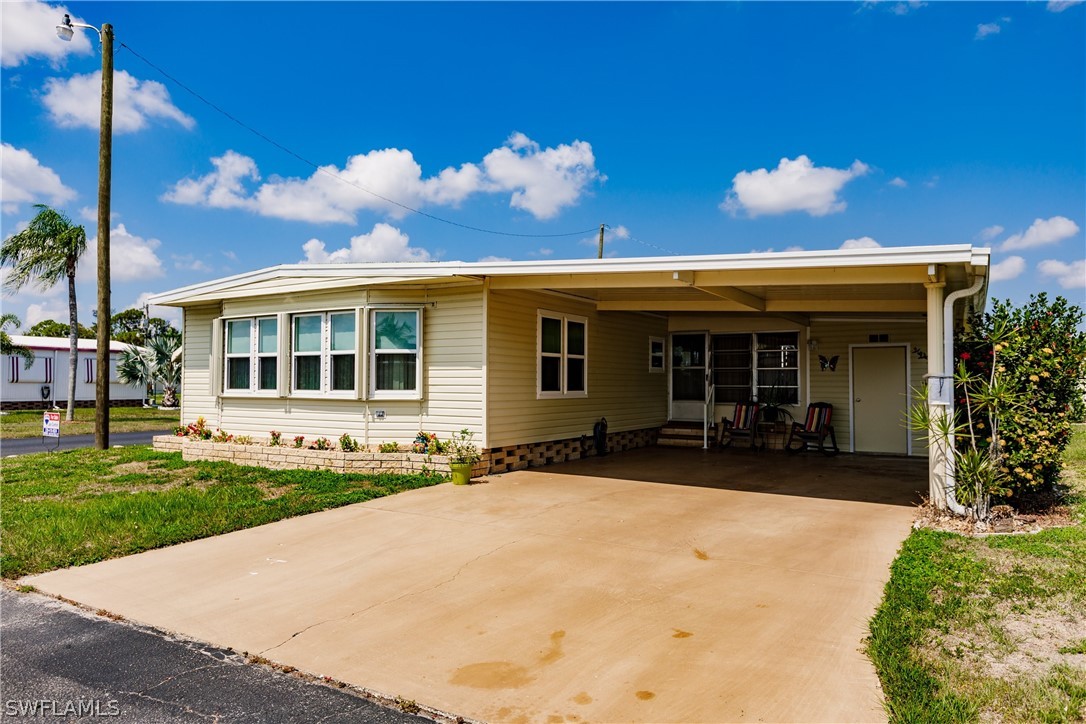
(282, 457)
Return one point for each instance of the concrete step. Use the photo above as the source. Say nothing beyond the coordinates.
(680, 442)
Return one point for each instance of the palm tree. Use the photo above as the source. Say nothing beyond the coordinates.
(167, 364)
(42, 254)
(136, 367)
(9, 347)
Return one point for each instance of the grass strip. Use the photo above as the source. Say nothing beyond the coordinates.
(987, 629)
(81, 506)
(27, 423)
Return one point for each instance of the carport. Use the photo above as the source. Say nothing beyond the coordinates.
(654, 585)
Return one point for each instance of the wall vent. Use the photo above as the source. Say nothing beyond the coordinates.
(875, 338)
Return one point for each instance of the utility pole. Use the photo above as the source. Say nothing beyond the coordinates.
(599, 255)
(105, 164)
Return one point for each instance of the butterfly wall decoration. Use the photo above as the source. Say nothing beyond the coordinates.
(828, 364)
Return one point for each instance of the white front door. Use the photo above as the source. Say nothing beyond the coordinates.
(689, 375)
(880, 399)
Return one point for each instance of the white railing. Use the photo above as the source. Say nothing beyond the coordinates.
(707, 413)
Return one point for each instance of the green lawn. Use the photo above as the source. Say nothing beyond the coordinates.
(988, 629)
(27, 423)
(77, 507)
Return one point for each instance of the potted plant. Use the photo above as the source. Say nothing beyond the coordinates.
(463, 454)
(774, 404)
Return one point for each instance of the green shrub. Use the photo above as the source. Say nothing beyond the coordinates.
(1042, 362)
(388, 447)
(347, 443)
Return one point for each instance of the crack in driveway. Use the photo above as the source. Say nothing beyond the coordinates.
(401, 597)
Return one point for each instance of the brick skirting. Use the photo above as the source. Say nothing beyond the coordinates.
(535, 454)
(63, 404)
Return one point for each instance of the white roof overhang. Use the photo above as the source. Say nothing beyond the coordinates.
(886, 280)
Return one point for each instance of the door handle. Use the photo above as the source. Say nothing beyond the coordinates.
(858, 399)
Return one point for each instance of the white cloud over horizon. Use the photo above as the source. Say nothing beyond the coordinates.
(1010, 268)
(795, 185)
(1058, 6)
(383, 243)
(1069, 276)
(24, 180)
(1041, 233)
(28, 30)
(131, 257)
(75, 102)
(541, 181)
(898, 182)
(986, 29)
(990, 232)
(864, 242)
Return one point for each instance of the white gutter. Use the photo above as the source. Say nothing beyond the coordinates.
(950, 483)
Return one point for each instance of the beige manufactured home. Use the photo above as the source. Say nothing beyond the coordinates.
(531, 354)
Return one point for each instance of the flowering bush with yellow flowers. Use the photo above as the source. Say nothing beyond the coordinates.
(1037, 352)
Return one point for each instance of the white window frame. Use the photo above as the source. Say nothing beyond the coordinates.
(252, 356)
(661, 355)
(755, 382)
(564, 356)
(373, 352)
(325, 355)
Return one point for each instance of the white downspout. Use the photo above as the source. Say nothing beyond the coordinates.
(948, 370)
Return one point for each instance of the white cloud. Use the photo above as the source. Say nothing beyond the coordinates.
(230, 255)
(188, 262)
(131, 257)
(793, 186)
(1009, 268)
(986, 29)
(611, 234)
(541, 181)
(899, 182)
(383, 243)
(864, 242)
(75, 102)
(38, 312)
(1069, 276)
(220, 189)
(932, 182)
(1041, 232)
(90, 214)
(990, 232)
(28, 30)
(1058, 6)
(23, 180)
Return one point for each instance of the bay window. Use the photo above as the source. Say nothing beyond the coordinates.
(323, 352)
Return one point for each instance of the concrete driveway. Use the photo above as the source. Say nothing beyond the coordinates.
(655, 585)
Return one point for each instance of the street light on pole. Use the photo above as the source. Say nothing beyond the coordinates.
(65, 31)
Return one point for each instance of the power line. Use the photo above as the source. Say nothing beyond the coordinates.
(630, 237)
(320, 169)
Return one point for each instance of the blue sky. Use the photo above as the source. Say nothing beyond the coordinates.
(687, 128)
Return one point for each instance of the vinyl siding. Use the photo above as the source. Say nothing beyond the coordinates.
(620, 386)
(452, 377)
(197, 398)
(834, 339)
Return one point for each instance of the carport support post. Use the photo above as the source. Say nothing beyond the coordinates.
(937, 384)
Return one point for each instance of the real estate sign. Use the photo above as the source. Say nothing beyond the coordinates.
(50, 425)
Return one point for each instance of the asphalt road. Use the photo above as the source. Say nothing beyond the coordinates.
(61, 662)
(25, 446)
